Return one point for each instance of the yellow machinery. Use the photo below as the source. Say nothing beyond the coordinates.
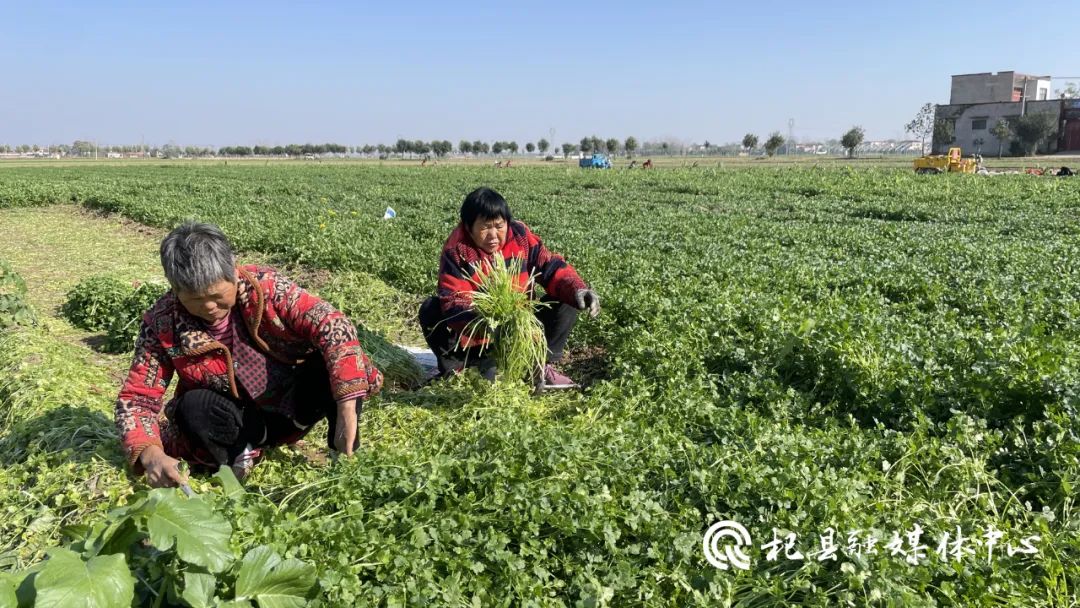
(953, 162)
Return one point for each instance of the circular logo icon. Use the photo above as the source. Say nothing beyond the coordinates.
(731, 554)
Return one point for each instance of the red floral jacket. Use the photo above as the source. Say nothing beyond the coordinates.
(459, 271)
(285, 322)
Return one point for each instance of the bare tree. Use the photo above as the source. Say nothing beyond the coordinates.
(1001, 131)
(922, 126)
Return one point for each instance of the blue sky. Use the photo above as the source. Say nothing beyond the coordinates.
(219, 73)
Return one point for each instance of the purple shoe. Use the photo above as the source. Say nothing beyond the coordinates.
(555, 380)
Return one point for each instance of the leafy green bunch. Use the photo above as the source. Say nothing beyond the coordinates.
(125, 324)
(94, 301)
(378, 312)
(162, 549)
(114, 305)
(13, 307)
(507, 316)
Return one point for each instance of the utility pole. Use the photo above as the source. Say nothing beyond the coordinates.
(790, 134)
(1023, 96)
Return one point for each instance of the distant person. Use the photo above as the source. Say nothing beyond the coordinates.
(259, 362)
(633, 164)
(487, 231)
(647, 164)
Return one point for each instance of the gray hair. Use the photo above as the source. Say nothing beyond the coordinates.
(196, 255)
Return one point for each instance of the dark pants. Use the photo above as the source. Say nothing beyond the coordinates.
(223, 426)
(558, 319)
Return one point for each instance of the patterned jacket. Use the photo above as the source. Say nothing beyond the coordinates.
(461, 259)
(285, 322)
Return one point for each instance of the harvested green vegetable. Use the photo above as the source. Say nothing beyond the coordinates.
(507, 316)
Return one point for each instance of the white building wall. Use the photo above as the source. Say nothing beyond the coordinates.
(973, 122)
(1038, 89)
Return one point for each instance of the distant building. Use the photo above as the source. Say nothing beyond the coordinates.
(978, 101)
(1004, 87)
(889, 146)
(811, 148)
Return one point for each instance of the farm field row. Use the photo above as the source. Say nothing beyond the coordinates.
(794, 349)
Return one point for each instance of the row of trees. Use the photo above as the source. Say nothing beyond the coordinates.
(79, 148)
(289, 150)
(21, 149)
(402, 147)
(440, 148)
(629, 147)
(772, 144)
(850, 140)
(586, 145)
(90, 149)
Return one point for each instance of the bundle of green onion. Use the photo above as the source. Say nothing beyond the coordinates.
(506, 315)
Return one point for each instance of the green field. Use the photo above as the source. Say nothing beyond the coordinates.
(793, 348)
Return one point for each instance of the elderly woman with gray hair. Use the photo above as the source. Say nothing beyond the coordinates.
(258, 360)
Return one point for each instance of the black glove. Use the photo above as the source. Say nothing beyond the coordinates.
(588, 300)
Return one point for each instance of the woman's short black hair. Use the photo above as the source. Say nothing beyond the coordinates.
(484, 203)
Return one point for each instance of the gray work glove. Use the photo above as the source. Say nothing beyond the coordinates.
(588, 300)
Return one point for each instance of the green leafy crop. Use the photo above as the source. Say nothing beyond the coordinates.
(114, 305)
(14, 310)
(795, 349)
(160, 549)
(95, 301)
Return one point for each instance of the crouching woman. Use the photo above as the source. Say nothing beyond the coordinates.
(258, 361)
(488, 234)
